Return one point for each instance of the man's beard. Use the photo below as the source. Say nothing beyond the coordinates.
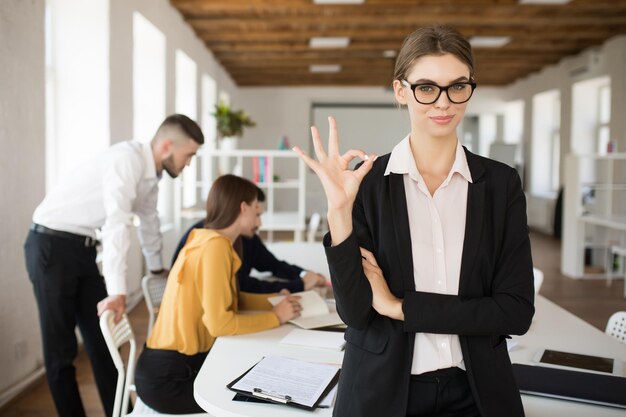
(168, 166)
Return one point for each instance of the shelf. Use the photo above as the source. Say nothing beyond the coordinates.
(614, 221)
(604, 186)
(212, 163)
(279, 184)
(600, 176)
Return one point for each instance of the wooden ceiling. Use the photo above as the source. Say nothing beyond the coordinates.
(266, 42)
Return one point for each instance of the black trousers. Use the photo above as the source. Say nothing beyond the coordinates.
(68, 287)
(164, 380)
(441, 393)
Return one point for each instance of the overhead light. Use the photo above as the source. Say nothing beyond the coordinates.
(324, 68)
(338, 1)
(544, 1)
(489, 41)
(329, 42)
(389, 53)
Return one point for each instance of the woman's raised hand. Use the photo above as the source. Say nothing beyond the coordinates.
(340, 183)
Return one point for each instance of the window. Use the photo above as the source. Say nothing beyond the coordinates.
(546, 143)
(148, 78)
(149, 94)
(187, 104)
(77, 83)
(208, 123)
(591, 113)
(604, 117)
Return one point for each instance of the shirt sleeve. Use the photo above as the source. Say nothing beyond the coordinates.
(120, 180)
(217, 285)
(149, 231)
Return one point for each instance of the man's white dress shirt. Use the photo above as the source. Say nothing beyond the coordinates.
(437, 226)
(103, 193)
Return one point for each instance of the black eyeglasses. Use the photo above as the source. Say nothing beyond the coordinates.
(426, 93)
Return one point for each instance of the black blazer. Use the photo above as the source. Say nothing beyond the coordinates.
(495, 297)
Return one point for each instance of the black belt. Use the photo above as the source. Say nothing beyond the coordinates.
(88, 241)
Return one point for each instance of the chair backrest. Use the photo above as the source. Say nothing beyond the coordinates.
(538, 274)
(115, 335)
(314, 224)
(616, 326)
(153, 287)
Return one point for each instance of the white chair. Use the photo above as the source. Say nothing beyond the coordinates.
(616, 326)
(153, 287)
(314, 224)
(538, 275)
(115, 335)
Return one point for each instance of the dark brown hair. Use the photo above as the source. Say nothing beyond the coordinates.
(432, 40)
(225, 198)
(186, 125)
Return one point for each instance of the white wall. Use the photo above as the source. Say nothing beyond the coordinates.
(23, 136)
(22, 169)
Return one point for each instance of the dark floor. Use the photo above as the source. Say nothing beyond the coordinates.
(592, 300)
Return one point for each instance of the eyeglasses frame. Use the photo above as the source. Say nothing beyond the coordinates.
(441, 89)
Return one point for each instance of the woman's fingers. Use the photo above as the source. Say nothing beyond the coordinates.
(354, 153)
(333, 136)
(311, 163)
(365, 167)
(317, 144)
(369, 256)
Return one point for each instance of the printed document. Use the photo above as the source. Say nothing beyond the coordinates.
(295, 381)
(315, 312)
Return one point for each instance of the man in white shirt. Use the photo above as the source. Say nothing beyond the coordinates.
(101, 193)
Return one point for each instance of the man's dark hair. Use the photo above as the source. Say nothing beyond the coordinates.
(260, 195)
(188, 126)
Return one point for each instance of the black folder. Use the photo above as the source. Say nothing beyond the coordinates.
(587, 387)
(254, 396)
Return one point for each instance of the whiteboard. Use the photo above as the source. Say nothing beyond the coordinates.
(374, 128)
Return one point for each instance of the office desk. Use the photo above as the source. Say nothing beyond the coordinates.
(552, 327)
(232, 355)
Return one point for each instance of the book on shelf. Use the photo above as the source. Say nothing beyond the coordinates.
(315, 312)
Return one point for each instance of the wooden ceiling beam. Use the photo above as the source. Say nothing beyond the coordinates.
(399, 33)
(305, 22)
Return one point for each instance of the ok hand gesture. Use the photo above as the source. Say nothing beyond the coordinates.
(340, 183)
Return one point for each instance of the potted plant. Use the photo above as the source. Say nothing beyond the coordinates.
(230, 123)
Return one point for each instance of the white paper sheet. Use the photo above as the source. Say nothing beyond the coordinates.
(298, 381)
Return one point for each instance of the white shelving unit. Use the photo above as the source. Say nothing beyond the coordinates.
(284, 179)
(594, 209)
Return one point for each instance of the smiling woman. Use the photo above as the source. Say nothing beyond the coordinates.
(428, 253)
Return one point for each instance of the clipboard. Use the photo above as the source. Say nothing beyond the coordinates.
(282, 398)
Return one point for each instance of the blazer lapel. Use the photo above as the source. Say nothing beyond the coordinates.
(402, 232)
(473, 220)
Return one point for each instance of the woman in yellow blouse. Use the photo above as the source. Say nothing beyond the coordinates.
(202, 301)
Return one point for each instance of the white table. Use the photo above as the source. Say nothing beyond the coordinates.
(552, 327)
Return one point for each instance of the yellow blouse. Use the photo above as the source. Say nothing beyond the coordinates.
(201, 300)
